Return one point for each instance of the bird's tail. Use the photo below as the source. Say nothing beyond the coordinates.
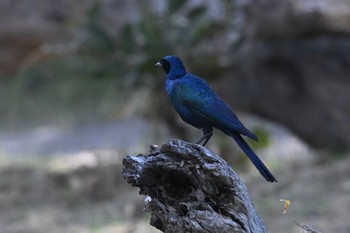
(264, 171)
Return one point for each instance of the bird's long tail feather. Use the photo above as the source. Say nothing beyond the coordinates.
(264, 171)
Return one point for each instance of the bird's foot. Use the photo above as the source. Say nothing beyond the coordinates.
(208, 132)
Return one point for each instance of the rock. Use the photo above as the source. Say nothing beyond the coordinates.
(302, 84)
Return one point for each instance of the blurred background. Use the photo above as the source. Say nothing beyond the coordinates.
(79, 91)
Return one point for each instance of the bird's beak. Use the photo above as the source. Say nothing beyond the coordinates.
(158, 64)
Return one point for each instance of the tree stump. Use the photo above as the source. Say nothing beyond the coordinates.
(190, 189)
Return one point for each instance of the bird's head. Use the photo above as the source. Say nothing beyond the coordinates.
(173, 66)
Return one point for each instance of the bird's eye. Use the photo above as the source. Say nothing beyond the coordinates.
(165, 65)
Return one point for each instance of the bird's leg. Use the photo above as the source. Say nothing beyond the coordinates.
(207, 133)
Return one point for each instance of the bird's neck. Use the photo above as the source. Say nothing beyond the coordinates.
(176, 75)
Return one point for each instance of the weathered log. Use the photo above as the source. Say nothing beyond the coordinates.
(190, 189)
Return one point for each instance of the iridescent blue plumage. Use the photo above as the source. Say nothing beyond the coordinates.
(199, 106)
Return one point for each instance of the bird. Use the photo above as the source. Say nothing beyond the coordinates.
(198, 105)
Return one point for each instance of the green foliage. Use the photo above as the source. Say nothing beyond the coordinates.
(153, 36)
(104, 71)
(175, 5)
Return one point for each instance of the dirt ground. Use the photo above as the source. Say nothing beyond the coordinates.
(84, 191)
(35, 199)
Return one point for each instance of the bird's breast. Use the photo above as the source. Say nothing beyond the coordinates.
(173, 88)
(180, 95)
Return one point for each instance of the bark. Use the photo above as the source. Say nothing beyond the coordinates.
(190, 189)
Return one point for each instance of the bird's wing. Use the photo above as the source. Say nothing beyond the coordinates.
(204, 101)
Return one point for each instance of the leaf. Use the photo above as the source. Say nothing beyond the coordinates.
(286, 205)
